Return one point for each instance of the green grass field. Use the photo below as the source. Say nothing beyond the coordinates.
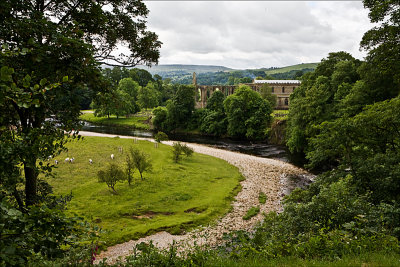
(294, 67)
(173, 197)
(136, 122)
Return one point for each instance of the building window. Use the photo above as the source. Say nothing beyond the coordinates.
(272, 89)
(286, 102)
(283, 89)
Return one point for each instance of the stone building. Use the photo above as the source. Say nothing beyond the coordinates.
(281, 88)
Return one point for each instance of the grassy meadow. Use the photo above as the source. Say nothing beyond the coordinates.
(174, 197)
(290, 68)
(136, 122)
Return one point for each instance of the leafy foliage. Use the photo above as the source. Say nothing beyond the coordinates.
(111, 175)
(248, 114)
(178, 150)
(253, 211)
(140, 160)
(160, 136)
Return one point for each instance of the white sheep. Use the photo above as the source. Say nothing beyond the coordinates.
(56, 162)
(49, 158)
(71, 160)
(112, 156)
(66, 160)
(90, 161)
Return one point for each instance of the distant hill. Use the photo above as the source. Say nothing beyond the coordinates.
(291, 68)
(220, 75)
(180, 68)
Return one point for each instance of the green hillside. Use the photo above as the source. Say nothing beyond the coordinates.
(291, 68)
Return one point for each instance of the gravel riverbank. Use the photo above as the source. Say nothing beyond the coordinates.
(261, 175)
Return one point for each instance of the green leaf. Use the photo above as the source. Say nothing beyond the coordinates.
(24, 51)
(43, 82)
(65, 79)
(28, 78)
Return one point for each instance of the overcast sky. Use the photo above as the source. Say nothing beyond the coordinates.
(255, 34)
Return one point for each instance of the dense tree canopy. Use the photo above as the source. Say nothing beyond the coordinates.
(319, 97)
(248, 114)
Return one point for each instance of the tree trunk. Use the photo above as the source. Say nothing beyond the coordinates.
(30, 185)
(141, 177)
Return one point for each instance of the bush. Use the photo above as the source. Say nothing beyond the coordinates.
(42, 233)
(160, 136)
(262, 198)
(253, 211)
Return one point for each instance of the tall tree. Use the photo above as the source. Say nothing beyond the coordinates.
(382, 42)
(319, 97)
(60, 39)
(248, 114)
(148, 96)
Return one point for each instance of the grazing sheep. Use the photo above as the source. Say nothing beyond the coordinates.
(66, 160)
(112, 156)
(56, 162)
(72, 160)
(90, 161)
(49, 158)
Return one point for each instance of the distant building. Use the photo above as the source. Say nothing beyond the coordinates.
(281, 88)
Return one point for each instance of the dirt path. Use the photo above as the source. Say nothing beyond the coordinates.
(262, 175)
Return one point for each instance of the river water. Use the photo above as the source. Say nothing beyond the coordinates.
(260, 149)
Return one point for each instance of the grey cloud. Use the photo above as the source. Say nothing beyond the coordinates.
(254, 34)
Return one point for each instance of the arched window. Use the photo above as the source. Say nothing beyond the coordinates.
(283, 89)
(272, 89)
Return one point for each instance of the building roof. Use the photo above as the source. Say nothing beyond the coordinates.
(277, 81)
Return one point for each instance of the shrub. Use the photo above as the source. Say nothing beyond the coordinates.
(160, 136)
(262, 198)
(253, 211)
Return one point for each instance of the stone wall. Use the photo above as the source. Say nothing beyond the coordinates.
(281, 89)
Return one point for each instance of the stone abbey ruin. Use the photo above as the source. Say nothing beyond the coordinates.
(281, 88)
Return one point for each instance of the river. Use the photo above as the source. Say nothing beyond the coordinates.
(260, 149)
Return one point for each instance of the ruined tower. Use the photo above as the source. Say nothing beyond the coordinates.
(194, 79)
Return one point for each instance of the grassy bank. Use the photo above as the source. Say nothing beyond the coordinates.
(138, 121)
(174, 197)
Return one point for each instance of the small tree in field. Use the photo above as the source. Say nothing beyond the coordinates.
(141, 161)
(179, 149)
(111, 175)
(160, 136)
